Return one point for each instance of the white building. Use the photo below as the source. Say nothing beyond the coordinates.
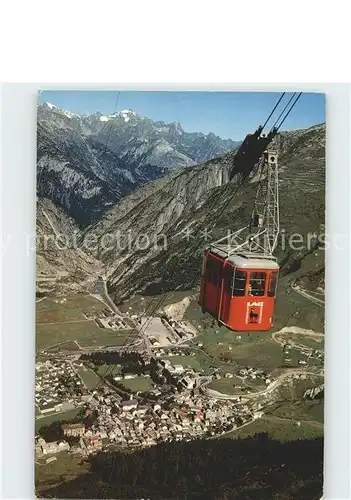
(178, 368)
(129, 404)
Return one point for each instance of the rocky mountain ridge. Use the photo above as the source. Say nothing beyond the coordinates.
(198, 199)
(88, 163)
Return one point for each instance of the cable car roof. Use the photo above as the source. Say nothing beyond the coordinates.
(245, 260)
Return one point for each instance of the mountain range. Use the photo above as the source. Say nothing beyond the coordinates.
(87, 163)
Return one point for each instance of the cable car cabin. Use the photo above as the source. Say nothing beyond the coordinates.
(239, 289)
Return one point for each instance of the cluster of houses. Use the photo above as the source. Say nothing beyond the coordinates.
(57, 386)
(137, 422)
(308, 352)
(254, 374)
(50, 448)
(107, 319)
(87, 442)
(131, 423)
(173, 351)
(179, 329)
(182, 377)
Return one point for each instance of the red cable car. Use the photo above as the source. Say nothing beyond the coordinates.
(238, 284)
(239, 289)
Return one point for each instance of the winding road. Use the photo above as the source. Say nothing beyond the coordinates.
(307, 295)
(271, 387)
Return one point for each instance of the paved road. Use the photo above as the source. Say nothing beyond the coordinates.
(271, 387)
(77, 373)
(67, 322)
(56, 232)
(296, 331)
(100, 292)
(233, 429)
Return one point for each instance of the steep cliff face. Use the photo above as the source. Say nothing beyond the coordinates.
(87, 163)
(164, 227)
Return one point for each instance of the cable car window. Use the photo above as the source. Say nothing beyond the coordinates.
(273, 280)
(239, 283)
(228, 279)
(257, 284)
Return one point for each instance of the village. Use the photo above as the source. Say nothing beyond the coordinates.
(129, 423)
(178, 408)
(58, 386)
(156, 389)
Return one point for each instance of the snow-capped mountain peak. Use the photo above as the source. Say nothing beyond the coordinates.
(126, 114)
(65, 112)
(51, 106)
(89, 165)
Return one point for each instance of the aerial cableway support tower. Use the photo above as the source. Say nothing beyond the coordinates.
(240, 273)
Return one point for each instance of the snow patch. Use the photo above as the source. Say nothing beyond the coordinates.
(104, 118)
(125, 114)
(50, 105)
(68, 114)
(128, 112)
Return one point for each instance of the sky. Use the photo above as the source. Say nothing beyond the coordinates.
(227, 114)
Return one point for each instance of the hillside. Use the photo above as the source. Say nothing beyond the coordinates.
(61, 264)
(256, 468)
(199, 198)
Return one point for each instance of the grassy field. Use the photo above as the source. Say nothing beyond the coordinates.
(47, 335)
(67, 467)
(255, 349)
(141, 384)
(314, 342)
(198, 362)
(106, 369)
(66, 322)
(139, 303)
(48, 311)
(226, 385)
(264, 353)
(90, 378)
(106, 338)
(299, 410)
(280, 429)
(294, 310)
(56, 417)
(70, 345)
(295, 389)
